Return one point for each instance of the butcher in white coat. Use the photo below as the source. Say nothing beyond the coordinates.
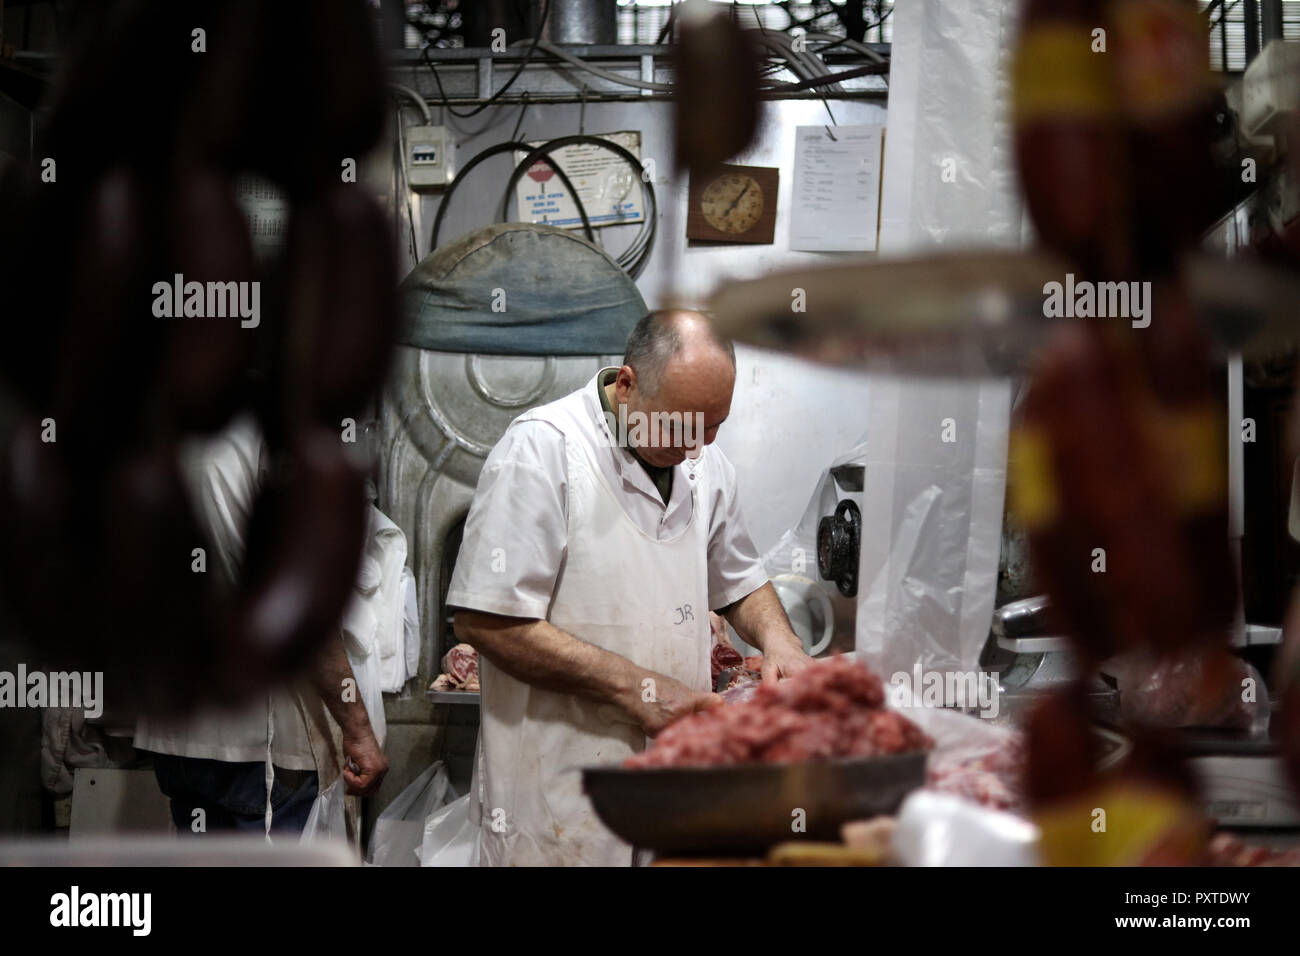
(604, 529)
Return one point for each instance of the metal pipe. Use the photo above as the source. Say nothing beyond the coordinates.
(1271, 20)
(392, 24)
(1250, 20)
(632, 96)
(1236, 480)
(582, 21)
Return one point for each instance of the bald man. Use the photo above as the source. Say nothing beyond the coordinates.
(604, 529)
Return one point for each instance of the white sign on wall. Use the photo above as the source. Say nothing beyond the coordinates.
(835, 206)
(610, 189)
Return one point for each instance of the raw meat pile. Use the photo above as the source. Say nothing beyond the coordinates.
(991, 779)
(1196, 688)
(832, 709)
(1227, 850)
(459, 670)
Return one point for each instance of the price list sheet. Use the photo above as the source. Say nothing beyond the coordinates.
(836, 201)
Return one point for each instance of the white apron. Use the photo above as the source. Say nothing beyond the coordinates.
(623, 591)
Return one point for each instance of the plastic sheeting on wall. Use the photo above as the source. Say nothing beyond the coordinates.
(936, 461)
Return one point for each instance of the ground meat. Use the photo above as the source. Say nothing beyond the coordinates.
(832, 709)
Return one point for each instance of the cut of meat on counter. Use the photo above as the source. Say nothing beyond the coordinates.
(459, 670)
(1227, 850)
(729, 669)
(740, 683)
(722, 657)
(833, 709)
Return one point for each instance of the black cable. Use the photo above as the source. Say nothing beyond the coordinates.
(1223, 16)
(637, 253)
(528, 58)
(875, 69)
(668, 25)
(399, 150)
(493, 151)
(633, 256)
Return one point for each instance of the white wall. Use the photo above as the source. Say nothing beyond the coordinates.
(789, 420)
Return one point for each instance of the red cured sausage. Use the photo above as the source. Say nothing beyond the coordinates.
(1069, 148)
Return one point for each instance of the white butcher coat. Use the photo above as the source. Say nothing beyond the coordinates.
(568, 527)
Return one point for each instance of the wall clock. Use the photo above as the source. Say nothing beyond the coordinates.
(733, 204)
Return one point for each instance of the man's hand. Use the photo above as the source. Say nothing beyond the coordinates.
(538, 653)
(785, 660)
(760, 620)
(670, 701)
(364, 764)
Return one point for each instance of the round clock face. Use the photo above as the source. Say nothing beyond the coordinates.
(732, 203)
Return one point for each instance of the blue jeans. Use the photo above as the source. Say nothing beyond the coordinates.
(232, 796)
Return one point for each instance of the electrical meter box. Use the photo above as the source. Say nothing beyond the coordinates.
(428, 157)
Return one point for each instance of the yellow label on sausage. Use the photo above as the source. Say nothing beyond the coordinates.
(1055, 73)
(1197, 444)
(1032, 481)
(1120, 824)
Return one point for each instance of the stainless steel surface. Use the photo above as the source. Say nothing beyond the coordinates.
(949, 314)
(1022, 618)
(466, 697)
(973, 313)
(144, 850)
(746, 809)
(582, 21)
(1040, 644)
(1260, 634)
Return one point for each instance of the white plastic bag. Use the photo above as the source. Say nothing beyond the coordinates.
(397, 834)
(450, 837)
(936, 465)
(938, 829)
(326, 820)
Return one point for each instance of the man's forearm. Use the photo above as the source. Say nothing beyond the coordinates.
(536, 652)
(327, 678)
(760, 620)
